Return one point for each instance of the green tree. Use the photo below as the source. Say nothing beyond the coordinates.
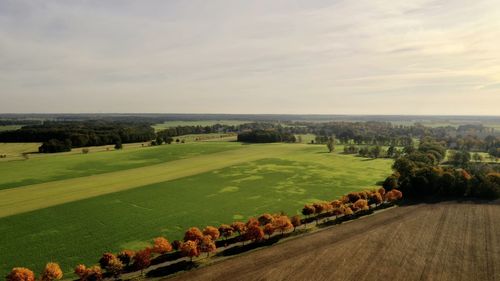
(330, 144)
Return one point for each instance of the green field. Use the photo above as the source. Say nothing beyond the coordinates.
(64, 166)
(124, 206)
(9, 127)
(169, 124)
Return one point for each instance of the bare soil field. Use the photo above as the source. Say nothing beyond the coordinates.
(445, 241)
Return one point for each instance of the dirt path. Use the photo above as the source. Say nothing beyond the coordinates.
(447, 241)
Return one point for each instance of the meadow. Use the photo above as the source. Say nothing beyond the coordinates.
(75, 164)
(9, 127)
(125, 207)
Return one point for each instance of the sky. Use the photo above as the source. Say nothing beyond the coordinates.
(282, 57)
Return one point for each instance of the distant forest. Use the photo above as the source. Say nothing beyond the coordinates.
(63, 135)
(62, 132)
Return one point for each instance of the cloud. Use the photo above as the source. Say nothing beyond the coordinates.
(250, 56)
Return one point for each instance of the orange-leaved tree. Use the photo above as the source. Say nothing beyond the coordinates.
(115, 267)
(282, 223)
(336, 203)
(318, 209)
(381, 191)
(361, 205)
(104, 260)
(93, 273)
(268, 229)
(337, 212)
(308, 210)
(80, 271)
(193, 234)
(254, 233)
(52, 272)
(239, 227)
(207, 245)
(353, 197)
(142, 259)
(252, 222)
(21, 274)
(296, 221)
(265, 219)
(212, 232)
(346, 210)
(190, 249)
(226, 231)
(393, 195)
(376, 198)
(161, 245)
(176, 245)
(126, 256)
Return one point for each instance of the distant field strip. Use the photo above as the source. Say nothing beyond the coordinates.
(37, 196)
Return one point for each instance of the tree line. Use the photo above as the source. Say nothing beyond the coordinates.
(265, 136)
(62, 136)
(206, 241)
(422, 173)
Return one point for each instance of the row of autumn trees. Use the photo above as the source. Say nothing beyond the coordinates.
(207, 241)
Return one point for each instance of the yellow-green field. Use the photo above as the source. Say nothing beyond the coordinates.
(70, 208)
(9, 127)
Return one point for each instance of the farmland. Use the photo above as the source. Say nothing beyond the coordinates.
(71, 208)
(445, 241)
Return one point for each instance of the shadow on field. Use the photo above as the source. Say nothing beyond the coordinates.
(171, 269)
(235, 250)
(166, 257)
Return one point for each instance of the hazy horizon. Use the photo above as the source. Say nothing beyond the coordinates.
(377, 57)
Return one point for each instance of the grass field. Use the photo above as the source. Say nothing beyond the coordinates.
(125, 208)
(9, 127)
(15, 150)
(445, 241)
(64, 166)
(170, 124)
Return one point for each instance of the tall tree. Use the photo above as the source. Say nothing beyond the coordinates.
(330, 144)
